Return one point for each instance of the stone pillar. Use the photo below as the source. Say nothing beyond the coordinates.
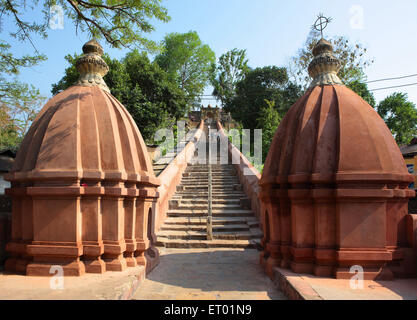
(92, 225)
(17, 246)
(285, 227)
(130, 225)
(114, 226)
(142, 241)
(146, 254)
(302, 231)
(362, 232)
(56, 233)
(325, 232)
(265, 229)
(273, 244)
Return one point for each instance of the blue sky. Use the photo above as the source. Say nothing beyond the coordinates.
(270, 30)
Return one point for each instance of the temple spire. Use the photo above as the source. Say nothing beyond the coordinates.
(92, 67)
(325, 66)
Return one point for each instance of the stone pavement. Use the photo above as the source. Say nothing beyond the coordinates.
(308, 287)
(107, 286)
(208, 274)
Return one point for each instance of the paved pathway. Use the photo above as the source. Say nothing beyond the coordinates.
(208, 274)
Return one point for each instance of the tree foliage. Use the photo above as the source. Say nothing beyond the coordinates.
(153, 100)
(17, 112)
(350, 55)
(400, 115)
(120, 23)
(188, 62)
(267, 83)
(231, 68)
(362, 90)
(269, 120)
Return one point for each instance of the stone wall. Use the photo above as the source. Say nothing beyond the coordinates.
(248, 175)
(171, 176)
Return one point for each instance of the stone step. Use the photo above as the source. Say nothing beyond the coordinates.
(214, 182)
(216, 213)
(205, 201)
(243, 244)
(230, 195)
(205, 182)
(214, 172)
(202, 206)
(217, 173)
(186, 222)
(203, 227)
(202, 235)
(217, 167)
(205, 187)
(250, 221)
(203, 193)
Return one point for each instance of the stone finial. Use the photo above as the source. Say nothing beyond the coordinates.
(91, 66)
(325, 66)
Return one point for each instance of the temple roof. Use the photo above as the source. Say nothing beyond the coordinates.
(331, 134)
(85, 133)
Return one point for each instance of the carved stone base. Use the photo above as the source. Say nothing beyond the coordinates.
(152, 259)
(302, 267)
(45, 269)
(323, 271)
(382, 273)
(115, 263)
(271, 263)
(95, 265)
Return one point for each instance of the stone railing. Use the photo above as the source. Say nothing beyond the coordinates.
(248, 175)
(171, 176)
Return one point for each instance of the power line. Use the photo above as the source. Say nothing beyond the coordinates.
(393, 87)
(396, 78)
(205, 97)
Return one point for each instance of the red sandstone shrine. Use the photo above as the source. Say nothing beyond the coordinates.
(333, 193)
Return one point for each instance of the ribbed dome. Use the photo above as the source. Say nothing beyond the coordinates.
(85, 133)
(332, 134)
(334, 189)
(83, 188)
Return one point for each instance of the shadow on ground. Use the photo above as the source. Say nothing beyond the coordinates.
(229, 274)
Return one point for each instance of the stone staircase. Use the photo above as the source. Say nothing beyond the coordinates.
(234, 224)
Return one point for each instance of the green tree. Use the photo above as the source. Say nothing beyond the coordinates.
(260, 84)
(287, 97)
(231, 68)
(269, 120)
(17, 111)
(351, 57)
(120, 23)
(362, 90)
(188, 61)
(147, 92)
(400, 115)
